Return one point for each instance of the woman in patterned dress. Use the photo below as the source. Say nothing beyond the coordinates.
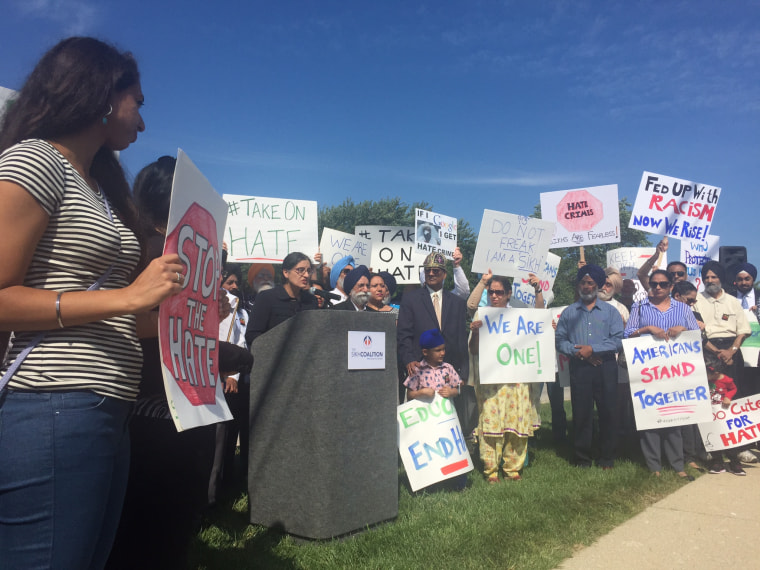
(508, 416)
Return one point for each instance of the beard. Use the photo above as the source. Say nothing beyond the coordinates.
(339, 282)
(587, 297)
(603, 295)
(712, 289)
(387, 300)
(265, 286)
(360, 298)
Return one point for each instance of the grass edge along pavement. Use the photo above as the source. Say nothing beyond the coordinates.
(535, 523)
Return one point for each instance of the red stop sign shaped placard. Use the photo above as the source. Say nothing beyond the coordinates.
(190, 319)
(579, 210)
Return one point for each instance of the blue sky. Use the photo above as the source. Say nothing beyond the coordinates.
(467, 105)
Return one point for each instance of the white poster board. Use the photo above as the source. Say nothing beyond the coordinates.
(694, 254)
(366, 350)
(751, 345)
(393, 251)
(674, 207)
(188, 323)
(628, 260)
(516, 345)
(431, 442)
(511, 245)
(523, 293)
(335, 245)
(668, 380)
(265, 230)
(732, 426)
(584, 216)
(435, 233)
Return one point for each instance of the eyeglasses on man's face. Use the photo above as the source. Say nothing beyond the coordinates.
(659, 284)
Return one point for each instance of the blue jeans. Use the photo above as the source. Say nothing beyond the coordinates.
(64, 461)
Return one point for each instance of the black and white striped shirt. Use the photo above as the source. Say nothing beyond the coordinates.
(79, 244)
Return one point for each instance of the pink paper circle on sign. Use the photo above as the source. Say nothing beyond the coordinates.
(579, 211)
(197, 367)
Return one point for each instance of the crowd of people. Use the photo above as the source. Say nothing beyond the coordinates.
(82, 390)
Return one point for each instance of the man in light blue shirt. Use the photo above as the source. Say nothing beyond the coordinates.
(590, 332)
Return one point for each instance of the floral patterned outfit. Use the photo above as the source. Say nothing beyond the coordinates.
(508, 417)
(435, 377)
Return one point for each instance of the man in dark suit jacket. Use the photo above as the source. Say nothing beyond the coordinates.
(356, 286)
(418, 314)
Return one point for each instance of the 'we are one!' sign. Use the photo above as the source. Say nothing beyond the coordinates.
(516, 345)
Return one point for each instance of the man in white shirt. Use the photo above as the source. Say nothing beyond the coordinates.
(746, 273)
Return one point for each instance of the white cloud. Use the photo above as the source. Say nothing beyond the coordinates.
(75, 16)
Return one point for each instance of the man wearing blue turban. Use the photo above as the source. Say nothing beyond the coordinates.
(590, 332)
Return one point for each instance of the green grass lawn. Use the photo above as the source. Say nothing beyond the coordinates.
(534, 523)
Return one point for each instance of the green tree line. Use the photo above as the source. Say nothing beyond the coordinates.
(395, 212)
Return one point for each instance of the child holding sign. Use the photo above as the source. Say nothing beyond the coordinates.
(722, 389)
(433, 375)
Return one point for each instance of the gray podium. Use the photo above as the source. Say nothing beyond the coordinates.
(323, 456)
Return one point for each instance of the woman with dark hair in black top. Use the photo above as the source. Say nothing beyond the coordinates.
(277, 305)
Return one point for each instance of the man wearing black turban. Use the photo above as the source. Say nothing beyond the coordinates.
(746, 273)
(590, 332)
(356, 286)
(726, 324)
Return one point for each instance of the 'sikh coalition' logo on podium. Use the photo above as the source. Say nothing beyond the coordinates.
(366, 350)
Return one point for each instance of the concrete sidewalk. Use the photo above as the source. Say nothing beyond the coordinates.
(710, 523)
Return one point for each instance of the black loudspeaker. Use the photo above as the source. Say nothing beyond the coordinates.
(731, 255)
(323, 439)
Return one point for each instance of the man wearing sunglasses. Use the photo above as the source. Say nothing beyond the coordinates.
(338, 273)
(432, 307)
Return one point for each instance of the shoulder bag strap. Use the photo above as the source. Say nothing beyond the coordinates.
(39, 336)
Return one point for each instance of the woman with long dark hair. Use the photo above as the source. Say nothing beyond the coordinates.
(70, 247)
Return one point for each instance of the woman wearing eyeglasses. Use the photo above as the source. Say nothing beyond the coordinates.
(277, 305)
(664, 318)
(507, 415)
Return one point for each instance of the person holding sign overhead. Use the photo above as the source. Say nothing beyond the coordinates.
(664, 318)
(507, 415)
(70, 247)
(590, 332)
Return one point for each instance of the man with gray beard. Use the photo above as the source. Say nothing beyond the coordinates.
(356, 286)
(590, 332)
(613, 285)
(726, 325)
